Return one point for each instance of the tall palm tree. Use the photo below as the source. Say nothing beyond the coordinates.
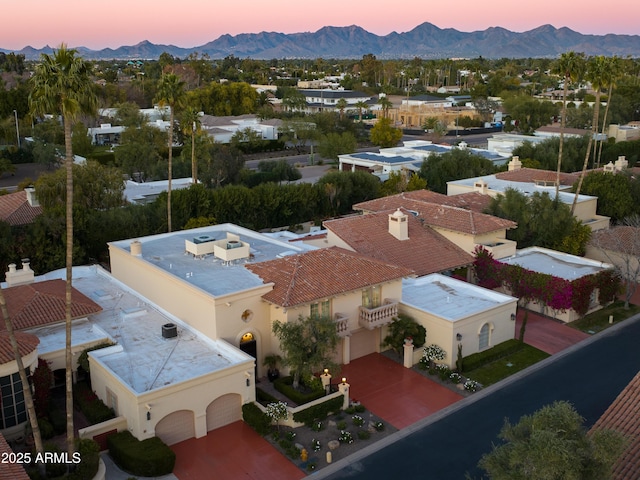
(361, 105)
(385, 104)
(172, 94)
(341, 105)
(598, 75)
(62, 85)
(190, 123)
(615, 72)
(28, 398)
(571, 66)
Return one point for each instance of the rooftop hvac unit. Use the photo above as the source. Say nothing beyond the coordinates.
(169, 330)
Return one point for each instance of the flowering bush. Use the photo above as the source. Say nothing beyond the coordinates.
(433, 352)
(276, 411)
(471, 385)
(358, 421)
(315, 445)
(345, 437)
(556, 293)
(317, 426)
(379, 426)
(455, 377)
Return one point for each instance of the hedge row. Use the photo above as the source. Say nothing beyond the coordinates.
(319, 411)
(147, 458)
(256, 418)
(285, 386)
(89, 403)
(501, 350)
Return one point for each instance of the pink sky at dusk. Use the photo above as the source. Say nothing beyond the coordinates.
(191, 23)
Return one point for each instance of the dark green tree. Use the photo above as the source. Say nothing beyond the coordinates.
(550, 444)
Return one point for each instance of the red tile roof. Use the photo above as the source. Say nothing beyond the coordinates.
(43, 303)
(426, 251)
(10, 471)
(15, 209)
(440, 214)
(27, 343)
(623, 239)
(624, 416)
(532, 175)
(318, 274)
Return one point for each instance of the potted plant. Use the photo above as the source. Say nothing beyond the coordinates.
(271, 361)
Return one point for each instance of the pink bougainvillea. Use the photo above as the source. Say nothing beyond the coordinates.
(556, 293)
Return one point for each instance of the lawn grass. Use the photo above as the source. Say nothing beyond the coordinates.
(497, 370)
(598, 321)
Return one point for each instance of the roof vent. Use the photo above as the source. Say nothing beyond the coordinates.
(169, 330)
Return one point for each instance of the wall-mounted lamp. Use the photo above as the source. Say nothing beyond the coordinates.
(248, 382)
(148, 406)
(344, 380)
(228, 304)
(513, 317)
(326, 371)
(458, 336)
(148, 416)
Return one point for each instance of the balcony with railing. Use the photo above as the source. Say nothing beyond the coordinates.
(371, 318)
(342, 324)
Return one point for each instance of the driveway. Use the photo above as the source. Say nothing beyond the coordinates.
(546, 334)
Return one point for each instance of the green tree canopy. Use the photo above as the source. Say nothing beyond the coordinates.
(456, 164)
(552, 444)
(384, 135)
(308, 345)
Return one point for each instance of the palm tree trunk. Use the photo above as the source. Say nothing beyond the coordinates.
(194, 166)
(170, 172)
(68, 286)
(562, 125)
(604, 125)
(594, 130)
(28, 398)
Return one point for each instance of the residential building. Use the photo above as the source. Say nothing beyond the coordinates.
(19, 208)
(463, 226)
(222, 129)
(319, 100)
(529, 181)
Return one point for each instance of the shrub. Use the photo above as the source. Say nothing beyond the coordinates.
(256, 418)
(319, 411)
(471, 385)
(147, 458)
(364, 435)
(345, 437)
(499, 351)
(285, 386)
(264, 397)
(341, 425)
(92, 407)
(89, 451)
(42, 378)
(315, 445)
(58, 419)
(360, 408)
(46, 429)
(379, 426)
(317, 426)
(83, 359)
(357, 420)
(443, 372)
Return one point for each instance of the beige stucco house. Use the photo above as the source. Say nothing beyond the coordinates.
(528, 181)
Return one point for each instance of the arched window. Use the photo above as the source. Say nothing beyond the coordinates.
(483, 337)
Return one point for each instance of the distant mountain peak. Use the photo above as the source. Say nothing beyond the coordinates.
(424, 41)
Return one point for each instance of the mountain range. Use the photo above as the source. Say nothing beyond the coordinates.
(424, 41)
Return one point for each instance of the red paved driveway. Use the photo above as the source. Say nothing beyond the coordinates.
(232, 452)
(546, 334)
(396, 394)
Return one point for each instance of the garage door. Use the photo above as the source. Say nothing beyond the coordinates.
(224, 410)
(364, 342)
(176, 427)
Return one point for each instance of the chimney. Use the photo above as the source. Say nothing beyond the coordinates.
(20, 277)
(136, 248)
(481, 187)
(515, 164)
(621, 163)
(31, 197)
(399, 225)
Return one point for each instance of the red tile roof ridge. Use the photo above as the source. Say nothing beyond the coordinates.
(27, 343)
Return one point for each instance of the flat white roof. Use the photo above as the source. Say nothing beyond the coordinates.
(527, 188)
(558, 264)
(53, 337)
(449, 298)
(167, 252)
(143, 192)
(142, 359)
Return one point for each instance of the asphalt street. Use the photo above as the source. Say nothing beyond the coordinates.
(589, 377)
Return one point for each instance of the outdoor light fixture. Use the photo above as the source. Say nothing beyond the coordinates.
(248, 382)
(458, 336)
(344, 380)
(513, 317)
(326, 371)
